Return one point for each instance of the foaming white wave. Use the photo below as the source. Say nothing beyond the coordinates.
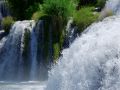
(92, 62)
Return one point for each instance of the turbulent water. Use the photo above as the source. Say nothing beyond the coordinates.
(93, 61)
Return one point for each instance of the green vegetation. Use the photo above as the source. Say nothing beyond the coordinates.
(56, 48)
(98, 3)
(37, 15)
(86, 14)
(59, 8)
(32, 9)
(7, 23)
(84, 17)
(56, 13)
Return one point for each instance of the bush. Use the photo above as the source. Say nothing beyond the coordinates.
(59, 8)
(6, 23)
(84, 17)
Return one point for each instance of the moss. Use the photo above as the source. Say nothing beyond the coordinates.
(57, 34)
(7, 22)
(84, 17)
(38, 15)
(56, 48)
(62, 36)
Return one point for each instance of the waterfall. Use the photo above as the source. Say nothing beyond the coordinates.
(93, 61)
(4, 10)
(33, 55)
(11, 50)
(22, 52)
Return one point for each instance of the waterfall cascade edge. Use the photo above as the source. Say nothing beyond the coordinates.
(93, 61)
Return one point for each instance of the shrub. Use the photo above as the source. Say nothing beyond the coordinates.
(62, 8)
(84, 17)
(6, 23)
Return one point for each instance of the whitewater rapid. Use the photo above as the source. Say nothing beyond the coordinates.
(92, 62)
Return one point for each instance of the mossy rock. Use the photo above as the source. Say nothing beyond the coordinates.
(7, 22)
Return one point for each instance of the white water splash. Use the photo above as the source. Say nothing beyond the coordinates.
(92, 62)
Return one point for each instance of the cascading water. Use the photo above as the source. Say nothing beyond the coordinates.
(19, 57)
(4, 11)
(22, 52)
(11, 50)
(93, 61)
(33, 55)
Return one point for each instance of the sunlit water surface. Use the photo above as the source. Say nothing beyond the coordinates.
(29, 85)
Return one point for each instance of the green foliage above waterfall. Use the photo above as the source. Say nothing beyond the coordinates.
(63, 8)
(84, 17)
(7, 23)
